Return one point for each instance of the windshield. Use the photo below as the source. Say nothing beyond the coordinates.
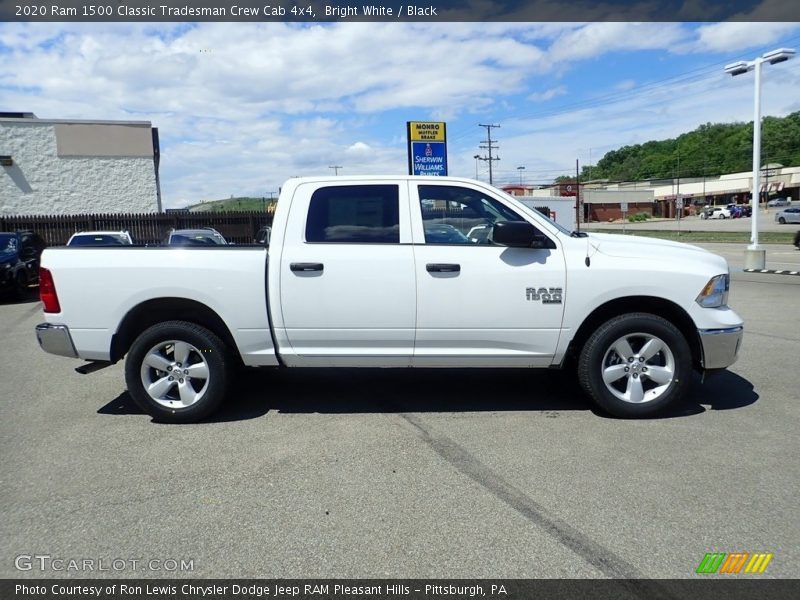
(8, 243)
(98, 240)
(197, 238)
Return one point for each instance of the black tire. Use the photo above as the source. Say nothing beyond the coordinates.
(782, 221)
(208, 353)
(673, 365)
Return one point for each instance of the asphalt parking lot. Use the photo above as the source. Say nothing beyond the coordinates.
(312, 473)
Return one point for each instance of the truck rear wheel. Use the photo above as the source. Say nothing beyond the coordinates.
(635, 365)
(177, 372)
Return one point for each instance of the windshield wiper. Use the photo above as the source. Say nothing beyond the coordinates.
(578, 234)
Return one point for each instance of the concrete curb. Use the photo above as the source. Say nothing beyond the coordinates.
(771, 271)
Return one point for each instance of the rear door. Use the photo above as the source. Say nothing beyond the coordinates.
(478, 303)
(347, 283)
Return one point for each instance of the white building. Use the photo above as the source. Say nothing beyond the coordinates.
(58, 167)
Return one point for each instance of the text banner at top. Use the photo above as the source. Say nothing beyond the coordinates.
(398, 10)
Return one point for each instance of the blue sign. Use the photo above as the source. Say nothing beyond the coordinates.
(429, 158)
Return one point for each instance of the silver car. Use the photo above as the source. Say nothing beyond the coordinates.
(788, 215)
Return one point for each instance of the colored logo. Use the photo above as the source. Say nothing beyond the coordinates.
(734, 563)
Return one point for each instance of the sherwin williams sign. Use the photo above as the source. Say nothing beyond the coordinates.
(427, 148)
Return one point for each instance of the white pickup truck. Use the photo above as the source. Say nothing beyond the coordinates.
(395, 272)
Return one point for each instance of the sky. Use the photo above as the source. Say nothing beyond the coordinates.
(241, 107)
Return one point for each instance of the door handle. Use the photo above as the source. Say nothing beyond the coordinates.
(305, 267)
(443, 268)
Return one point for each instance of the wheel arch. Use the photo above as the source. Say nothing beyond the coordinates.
(159, 310)
(661, 307)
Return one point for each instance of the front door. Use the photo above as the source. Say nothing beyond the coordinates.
(478, 303)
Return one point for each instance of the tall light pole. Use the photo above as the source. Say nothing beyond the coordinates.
(520, 169)
(755, 255)
(477, 157)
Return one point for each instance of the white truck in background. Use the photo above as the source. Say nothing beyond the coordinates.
(395, 272)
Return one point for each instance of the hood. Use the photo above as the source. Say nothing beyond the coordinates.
(634, 246)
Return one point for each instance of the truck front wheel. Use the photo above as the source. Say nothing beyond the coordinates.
(635, 365)
(177, 372)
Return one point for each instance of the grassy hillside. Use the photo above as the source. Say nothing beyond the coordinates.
(232, 205)
(709, 150)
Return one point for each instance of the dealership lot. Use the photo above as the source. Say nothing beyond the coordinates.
(766, 222)
(312, 473)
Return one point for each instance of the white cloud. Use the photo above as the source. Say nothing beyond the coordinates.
(733, 36)
(548, 94)
(359, 148)
(625, 85)
(596, 39)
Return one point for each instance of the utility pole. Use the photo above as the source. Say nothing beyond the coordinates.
(489, 145)
(578, 197)
(336, 168)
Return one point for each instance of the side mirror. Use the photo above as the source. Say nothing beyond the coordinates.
(519, 234)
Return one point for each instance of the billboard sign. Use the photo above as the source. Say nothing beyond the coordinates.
(427, 148)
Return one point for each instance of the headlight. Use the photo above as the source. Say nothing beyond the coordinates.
(715, 292)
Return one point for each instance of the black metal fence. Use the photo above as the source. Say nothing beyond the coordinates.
(145, 228)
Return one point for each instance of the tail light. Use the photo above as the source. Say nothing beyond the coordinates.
(47, 291)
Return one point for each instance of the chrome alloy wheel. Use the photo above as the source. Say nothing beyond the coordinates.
(175, 374)
(638, 368)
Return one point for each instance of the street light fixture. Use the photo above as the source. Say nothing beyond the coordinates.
(755, 256)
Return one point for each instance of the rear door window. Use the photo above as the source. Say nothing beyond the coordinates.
(354, 214)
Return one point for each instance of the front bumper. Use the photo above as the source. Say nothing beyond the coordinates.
(56, 339)
(720, 346)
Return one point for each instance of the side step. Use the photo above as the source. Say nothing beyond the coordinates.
(92, 366)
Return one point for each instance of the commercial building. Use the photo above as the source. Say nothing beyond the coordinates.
(604, 200)
(59, 167)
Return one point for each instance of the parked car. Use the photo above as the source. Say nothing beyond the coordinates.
(19, 260)
(442, 233)
(100, 238)
(788, 215)
(719, 213)
(206, 236)
(778, 202)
